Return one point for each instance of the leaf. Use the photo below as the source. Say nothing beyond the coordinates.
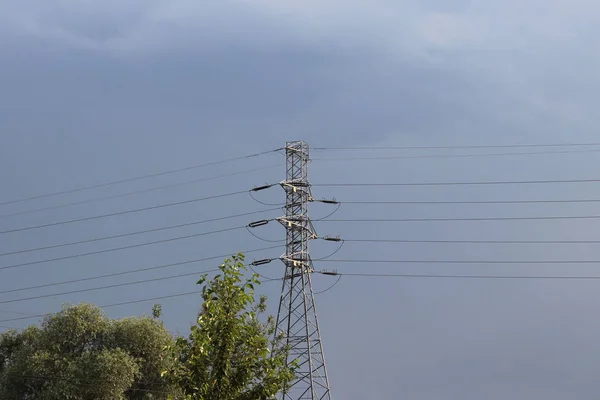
(202, 280)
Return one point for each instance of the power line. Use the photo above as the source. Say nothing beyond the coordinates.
(125, 212)
(475, 241)
(134, 271)
(136, 192)
(331, 286)
(453, 155)
(112, 305)
(131, 233)
(466, 261)
(468, 276)
(138, 177)
(530, 182)
(115, 304)
(343, 274)
(115, 285)
(551, 217)
(456, 147)
(120, 248)
(111, 286)
(14, 312)
(425, 202)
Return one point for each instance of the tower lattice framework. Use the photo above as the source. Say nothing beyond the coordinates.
(297, 315)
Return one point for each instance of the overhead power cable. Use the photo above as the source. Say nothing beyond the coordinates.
(71, 221)
(136, 192)
(474, 241)
(123, 303)
(14, 312)
(132, 233)
(139, 177)
(196, 292)
(425, 202)
(121, 248)
(466, 183)
(343, 274)
(331, 286)
(145, 269)
(496, 146)
(115, 285)
(550, 217)
(429, 156)
(111, 286)
(465, 262)
(437, 276)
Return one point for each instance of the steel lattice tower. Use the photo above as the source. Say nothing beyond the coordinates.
(297, 316)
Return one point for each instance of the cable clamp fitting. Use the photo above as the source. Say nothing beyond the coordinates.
(295, 186)
(297, 263)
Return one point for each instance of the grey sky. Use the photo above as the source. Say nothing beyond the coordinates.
(98, 91)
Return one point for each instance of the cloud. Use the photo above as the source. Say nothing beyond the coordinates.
(388, 66)
(430, 24)
(141, 26)
(81, 24)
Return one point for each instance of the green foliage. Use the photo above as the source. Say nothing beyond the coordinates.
(80, 354)
(156, 311)
(229, 354)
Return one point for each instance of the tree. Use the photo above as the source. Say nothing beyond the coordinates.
(79, 353)
(229, 354)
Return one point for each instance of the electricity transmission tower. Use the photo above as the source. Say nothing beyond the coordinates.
(297, 315)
